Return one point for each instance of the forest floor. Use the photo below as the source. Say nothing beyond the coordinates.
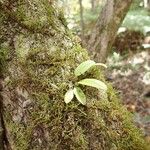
(131, 77)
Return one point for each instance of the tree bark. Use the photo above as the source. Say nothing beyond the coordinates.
(81, 19)
(105, 30)
(94, 3)
(147, 4)
(39, 56)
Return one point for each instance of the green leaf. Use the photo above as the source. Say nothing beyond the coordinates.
(80, 95)
(69, 96)
(94, 83)
(83, 67)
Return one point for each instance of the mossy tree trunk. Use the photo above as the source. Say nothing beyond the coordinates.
(104, 32)
(38, 56)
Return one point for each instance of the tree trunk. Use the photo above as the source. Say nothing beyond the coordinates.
(105, 30)
(92, 5)
(147, 4)
(38, 56)
(81, 19)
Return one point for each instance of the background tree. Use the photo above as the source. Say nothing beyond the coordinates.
(94, 4)
(105, 30)
(146, 4)
(39, 55)
(81, 19)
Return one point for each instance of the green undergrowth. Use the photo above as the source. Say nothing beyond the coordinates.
(40, 74)
(137, 20)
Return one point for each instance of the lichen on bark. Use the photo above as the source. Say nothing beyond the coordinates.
(41, 57)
